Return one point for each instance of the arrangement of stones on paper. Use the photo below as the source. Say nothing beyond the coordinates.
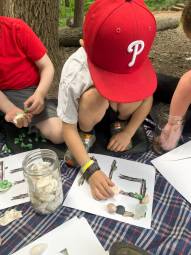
(45, 191)
(143, 198)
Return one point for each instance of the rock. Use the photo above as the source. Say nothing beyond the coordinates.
(111, 208)
(38, 249)
(120, 209)
(115, 190)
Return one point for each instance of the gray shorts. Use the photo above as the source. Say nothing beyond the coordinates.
(18, 97)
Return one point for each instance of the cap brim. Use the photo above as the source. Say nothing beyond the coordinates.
(123, 88)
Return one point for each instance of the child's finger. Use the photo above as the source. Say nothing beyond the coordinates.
(97, 195)
(111, 144)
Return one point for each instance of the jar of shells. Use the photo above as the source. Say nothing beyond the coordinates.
(42, 173)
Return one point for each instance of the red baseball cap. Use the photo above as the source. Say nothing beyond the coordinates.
(118, 35)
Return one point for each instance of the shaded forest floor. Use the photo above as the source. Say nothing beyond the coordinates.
(171, 52)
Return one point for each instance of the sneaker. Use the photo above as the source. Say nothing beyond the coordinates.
(88, 140)
(117, 127)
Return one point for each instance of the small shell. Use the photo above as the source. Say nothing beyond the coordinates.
(145, 200)
(111, 208)
(38, 249)
(115, 190)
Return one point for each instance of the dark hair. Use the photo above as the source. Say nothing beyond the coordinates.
(186, 18)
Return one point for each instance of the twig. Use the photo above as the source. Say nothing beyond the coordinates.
(113, 168)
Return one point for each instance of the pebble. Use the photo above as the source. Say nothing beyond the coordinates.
(111, 208)
(120, 209)
(145, 200)
(128, 214)
(38, 249)
(140, 211)
(115, 190)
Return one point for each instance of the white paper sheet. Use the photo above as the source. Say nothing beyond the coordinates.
(175, 166)
(75, 235)
(10, 163)
(79, 197)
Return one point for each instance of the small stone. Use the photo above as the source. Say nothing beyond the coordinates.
(128, 214)
(111, 208)
(145, 200)
(5, 185)
(140, 211)
(120, 209)
(115, 190)
(38, 249)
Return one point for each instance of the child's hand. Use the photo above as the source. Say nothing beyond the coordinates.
(22, 121)
(119, 142)
(100, 186)
(170, 136)
(35, 103)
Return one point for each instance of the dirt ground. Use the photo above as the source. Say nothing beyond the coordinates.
(171, 52)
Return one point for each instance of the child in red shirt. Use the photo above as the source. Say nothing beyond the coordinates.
(26, 73)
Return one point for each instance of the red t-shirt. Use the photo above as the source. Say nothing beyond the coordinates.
(19, 48)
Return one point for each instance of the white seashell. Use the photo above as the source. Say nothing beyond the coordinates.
(115, 190)
(52, 187)
(46, 197)
(18, 117)
(44, 181)
(38, 249)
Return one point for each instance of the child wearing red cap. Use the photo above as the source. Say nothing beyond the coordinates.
(111, 70)
(26, 74)
(181, 99)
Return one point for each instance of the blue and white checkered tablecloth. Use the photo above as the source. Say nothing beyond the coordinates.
(171, 224)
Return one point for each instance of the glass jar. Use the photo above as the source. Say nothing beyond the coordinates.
(42, 172)
(167, 132)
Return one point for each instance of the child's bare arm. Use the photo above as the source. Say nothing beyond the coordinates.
(121, 140)
(35, 103)
(100, 184)
(182, 96)
(180, 102)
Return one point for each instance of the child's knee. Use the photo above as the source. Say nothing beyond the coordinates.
(52, 130)
(92, 99)
(126, 109)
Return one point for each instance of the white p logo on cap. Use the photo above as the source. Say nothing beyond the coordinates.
(134, 47)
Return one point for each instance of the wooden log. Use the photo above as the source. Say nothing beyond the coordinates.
(69, 37)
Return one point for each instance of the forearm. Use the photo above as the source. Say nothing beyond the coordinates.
(182, 96)
(46, 70)
(5, 103)
(74, 143)
(46, 78)
(138, 117)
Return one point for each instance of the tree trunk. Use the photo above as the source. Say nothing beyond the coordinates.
(78, 13)
(42, 16)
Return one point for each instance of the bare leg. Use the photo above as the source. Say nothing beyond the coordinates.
(52, 129)
(126, 110)
(92, 108)
(136, 113)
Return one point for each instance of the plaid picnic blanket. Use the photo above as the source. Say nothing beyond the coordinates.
(171, 224)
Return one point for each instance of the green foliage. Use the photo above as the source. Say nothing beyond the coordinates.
(161, 4)
(68, 12)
